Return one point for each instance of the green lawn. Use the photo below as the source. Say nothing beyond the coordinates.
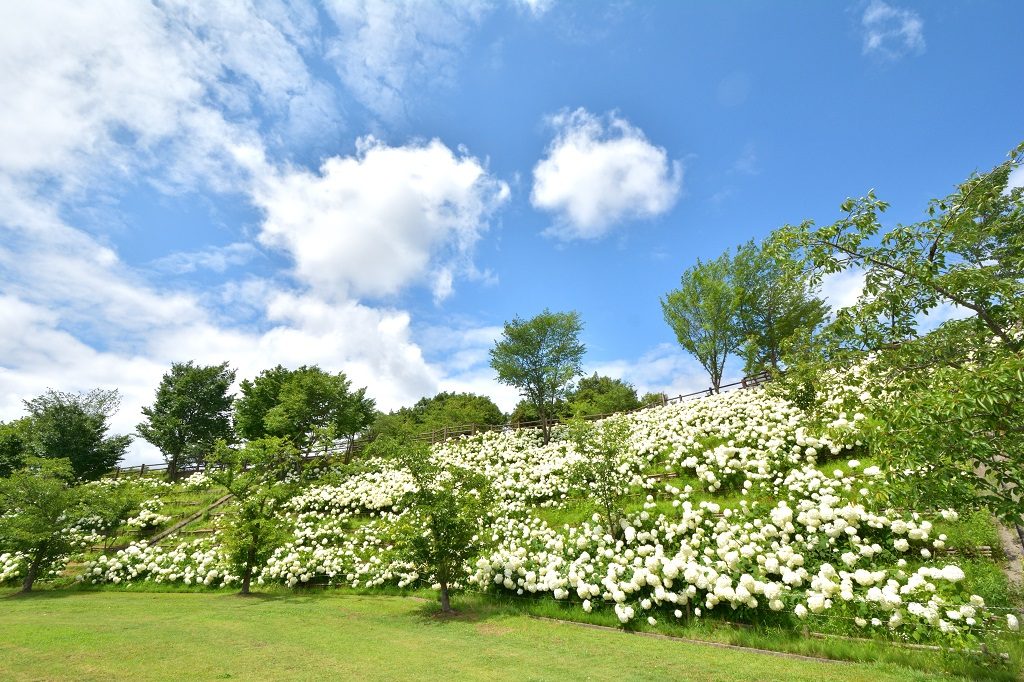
(104, 635)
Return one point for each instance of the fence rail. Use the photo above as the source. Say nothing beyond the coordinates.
(353, 446)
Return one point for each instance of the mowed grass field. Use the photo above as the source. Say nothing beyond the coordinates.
(105, 635)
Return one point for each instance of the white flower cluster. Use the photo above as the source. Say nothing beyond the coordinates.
(149, 515)
(198, 562)
(11, 566)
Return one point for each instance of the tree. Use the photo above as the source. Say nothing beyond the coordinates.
(967, 254)
(255, 474)
(952, 414)
(540, 356)
(307, 406)
(960, 428)
(602, 395)
(444, 410)
(653, 399)
(441, 529)
(191, 412)
(600, 471)
(702, 313)
(46, 503)
(776, 302)
(15, 445)
(74, 426)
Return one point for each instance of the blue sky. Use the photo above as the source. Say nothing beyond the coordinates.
(376, 187)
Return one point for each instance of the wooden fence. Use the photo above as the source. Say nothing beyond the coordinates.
(355, 445)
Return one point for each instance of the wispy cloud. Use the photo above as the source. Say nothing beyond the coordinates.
(891, 32)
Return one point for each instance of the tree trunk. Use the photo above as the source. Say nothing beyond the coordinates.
(172, 469)
(250, 560)
(446, 606)
(33, 571)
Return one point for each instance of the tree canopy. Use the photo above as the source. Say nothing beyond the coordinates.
(541, 357)
(191, 412)
(703, 314)
(74, 426)
(306, 406)
(602, 395)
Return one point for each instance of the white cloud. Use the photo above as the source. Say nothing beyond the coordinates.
(1016, 178)
(891, 32)
(162, 94)
(536, 8)
(842, 289)
(598, 173)
(370, 224)
(215, 258)
(666, 368)
(747, 163)
(135, 85)
(386, 48)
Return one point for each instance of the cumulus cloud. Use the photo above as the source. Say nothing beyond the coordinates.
(372, 223)
(159, 94)
(599, 172)
(384, 47)
(891, 32)
(666, 368)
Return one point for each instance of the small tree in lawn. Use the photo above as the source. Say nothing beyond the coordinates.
(191, 412)
(255, 474)
(540, 356)
(38, 505)
(603, 471)
(442, 523)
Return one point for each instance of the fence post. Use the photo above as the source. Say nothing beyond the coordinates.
(142, 470)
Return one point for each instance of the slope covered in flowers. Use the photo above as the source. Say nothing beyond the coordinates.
(741, 506)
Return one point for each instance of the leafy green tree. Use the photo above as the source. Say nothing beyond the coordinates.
(15, 445)
(967, 253)
(776, 302)
(953, 414)
(600, 472)
(307, 406)
(653, 399)
(602, 395)
(540, 356)
(703, 314)
(192, 411)
(256, 475)
(74, 426)
(441, 529)
(45, 503)
(444, 410)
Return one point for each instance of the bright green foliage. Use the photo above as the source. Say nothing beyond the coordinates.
(962, 427)
(306, 406)
(652, 399)
(46, 502)
(74, 427)
(702, 312)
(440, 530)
(776, 303)
(540, 356)
(968, 253)
(192, 411)
(603, 445)
(255, 474)
(15, 445)
(444, 410)
(953, 413)
(602, 395)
